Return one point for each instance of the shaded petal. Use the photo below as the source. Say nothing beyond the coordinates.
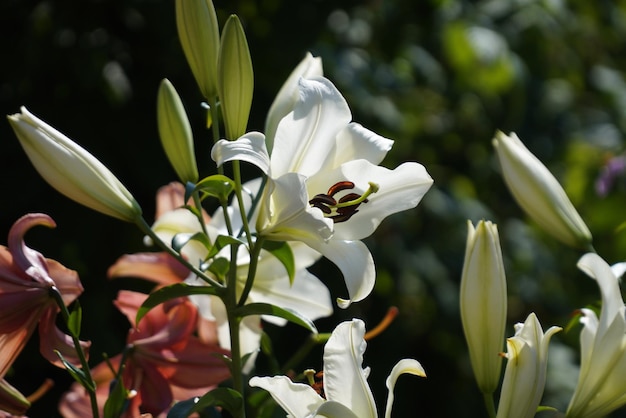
(332, 409)
(250, 148)
(306, 137)
(156, 395)
(356, 142)
(399, 190)
(199, 365)
(308, 295)
(66, 280)
(403, 366)
(25, 258)
(285, 213)
(22, 309)
(51, 339)
(297, 399)
(160, 268)
(345, 380)
(356, 264)
(12, 344)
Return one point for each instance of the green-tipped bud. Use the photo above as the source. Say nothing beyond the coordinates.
(525, 374)
(483, 303)
(175, 133)
(199, 35)
(539, 193)
(72, 170)
(236, 79)
(11, 400)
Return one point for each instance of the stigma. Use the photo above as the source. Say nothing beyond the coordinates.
(343, 208)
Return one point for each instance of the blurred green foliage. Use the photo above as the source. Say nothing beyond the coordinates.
(437, 76)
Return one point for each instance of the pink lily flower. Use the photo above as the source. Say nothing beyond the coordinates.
(26, 281)
(165, 361)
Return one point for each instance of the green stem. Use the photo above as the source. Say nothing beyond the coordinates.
(58, 298)
(489, 404)
(254, 262)
(145, 228)
(242, 209)
(298, 356)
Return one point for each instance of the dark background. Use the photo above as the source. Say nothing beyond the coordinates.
(439, 77)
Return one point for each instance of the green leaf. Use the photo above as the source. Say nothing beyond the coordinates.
(222, 241)
(117, 400)
(226, 398)
(76, 373)
(75, 320)
(282, 251)
(217, 185)
(172, 292)
(267, 309)
(182, 239)
(220, 267)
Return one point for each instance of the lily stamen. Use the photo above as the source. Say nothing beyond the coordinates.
(392, 312)
(342, 210)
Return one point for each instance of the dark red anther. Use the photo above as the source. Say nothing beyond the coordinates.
(337, 187)
(323, 199)
(320, 206)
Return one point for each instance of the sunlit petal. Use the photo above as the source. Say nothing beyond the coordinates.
(345, 380)
(250, 148)
(297, 399)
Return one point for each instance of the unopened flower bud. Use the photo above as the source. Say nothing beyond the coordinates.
(199, 35)
(71, 170)
(525, 374)
(236, 78)
(175, 133)
(539, 193)
(484, 303)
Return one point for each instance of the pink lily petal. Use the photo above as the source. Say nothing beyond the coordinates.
(51, 339)
(160, 268)
(170, 197)
(156, 395)
(66, 280)
(27, 259)
(22, 309)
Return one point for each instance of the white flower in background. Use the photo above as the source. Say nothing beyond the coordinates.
(525, 374)
(483, 303)
(602, 378)
(346, 391)
(331, 164)
(71, 170)
(539, 193)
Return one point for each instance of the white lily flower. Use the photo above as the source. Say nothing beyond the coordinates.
(483, 303)
(307, 295)
(71, 170)
(525, 374)
(602, 378)
(288, 94)
(337, 164)
(539, 193)
(347, 393)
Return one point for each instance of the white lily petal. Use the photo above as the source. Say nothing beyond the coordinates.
(595, 267)
(345, 379)
(356, 142)
(181, 221)
(330, 409)
(306, 137)
(285, 213)
(619, 269)
(308, 295)
(297, 399)
(403, 366)
(249, 147)
(356, 264)
(288, 94)
(399, 189)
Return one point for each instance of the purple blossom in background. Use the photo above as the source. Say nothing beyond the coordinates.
(614, 167)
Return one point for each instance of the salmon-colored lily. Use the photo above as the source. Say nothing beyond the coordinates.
(27, 283)
(165, 361)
